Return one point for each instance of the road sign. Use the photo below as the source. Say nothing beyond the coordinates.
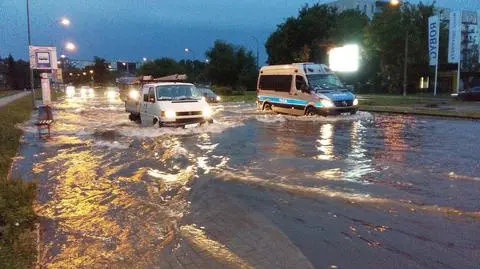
(43, 58)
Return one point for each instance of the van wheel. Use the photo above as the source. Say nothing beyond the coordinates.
(267, 107)
(353, 112)
(160, 125)
(311, 112)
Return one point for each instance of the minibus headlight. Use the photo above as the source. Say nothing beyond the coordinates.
(355, 102)
(207, 112)
(327, 103)
(170, 114)
(219, 98)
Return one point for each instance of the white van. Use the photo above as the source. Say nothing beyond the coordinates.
(168, 104)
(303, 89)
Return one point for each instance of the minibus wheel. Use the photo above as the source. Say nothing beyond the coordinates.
(267, 107)
(311, 111)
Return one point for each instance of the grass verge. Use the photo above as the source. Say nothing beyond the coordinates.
(17, 218)
(422, 111)
(248, 97)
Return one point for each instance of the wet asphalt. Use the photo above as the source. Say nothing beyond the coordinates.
(362, 191)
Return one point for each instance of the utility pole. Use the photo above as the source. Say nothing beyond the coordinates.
(32, 84)
(405, 71)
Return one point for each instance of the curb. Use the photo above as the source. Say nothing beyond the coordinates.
(407, 111)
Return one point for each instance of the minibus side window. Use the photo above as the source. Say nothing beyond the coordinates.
(300, 84)
(278, 83)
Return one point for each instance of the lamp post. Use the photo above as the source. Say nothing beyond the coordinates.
(32, 86)
(64, 21)
(187, 50)
(407, 36)
(256, 39)
(91, 77)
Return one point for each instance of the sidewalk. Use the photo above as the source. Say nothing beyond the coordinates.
(10, 98)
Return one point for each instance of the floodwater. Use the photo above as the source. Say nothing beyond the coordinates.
(363, 191)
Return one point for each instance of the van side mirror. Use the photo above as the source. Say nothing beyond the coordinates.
(151, 100)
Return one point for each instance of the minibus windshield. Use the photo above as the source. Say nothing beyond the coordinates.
(324, 82)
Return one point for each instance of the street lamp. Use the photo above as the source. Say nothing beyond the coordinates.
(144, 59)
(394, 2)
(407, 35)
(65, 21)
(63, 56)
(84, 73)
(187, 50)
(70, 46)
(256, 39)
(91, 71)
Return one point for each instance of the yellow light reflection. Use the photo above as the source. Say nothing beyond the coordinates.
(325, 143)
(99, 223)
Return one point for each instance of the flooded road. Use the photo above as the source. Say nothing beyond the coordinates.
(254, 190)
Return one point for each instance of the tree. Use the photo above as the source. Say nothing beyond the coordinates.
(195, 70)
(303, 38)
(101, 73)
(161, 67)
(385, 39)
(17, 74)
(231, 65)
(349, 27)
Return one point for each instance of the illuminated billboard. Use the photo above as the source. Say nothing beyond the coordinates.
(344, 59)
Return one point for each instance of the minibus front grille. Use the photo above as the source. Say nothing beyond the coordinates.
(346, 103)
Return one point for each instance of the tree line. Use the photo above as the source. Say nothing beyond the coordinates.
(227, 65)
(308, 36)
(16, 73)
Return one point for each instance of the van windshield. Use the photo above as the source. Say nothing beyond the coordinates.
(324, 82)
(177, 92)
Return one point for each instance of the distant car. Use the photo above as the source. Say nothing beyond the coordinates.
(209, 95)
(472, 94)
(86, 91)
(112, 93)
(70, 91)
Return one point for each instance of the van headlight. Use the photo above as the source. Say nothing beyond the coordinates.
(219, 98)
(207, 112)
(327, 103)
(170, 114)
(133, 94)
(355, 102)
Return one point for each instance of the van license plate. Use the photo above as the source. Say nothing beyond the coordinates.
(190, 126)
